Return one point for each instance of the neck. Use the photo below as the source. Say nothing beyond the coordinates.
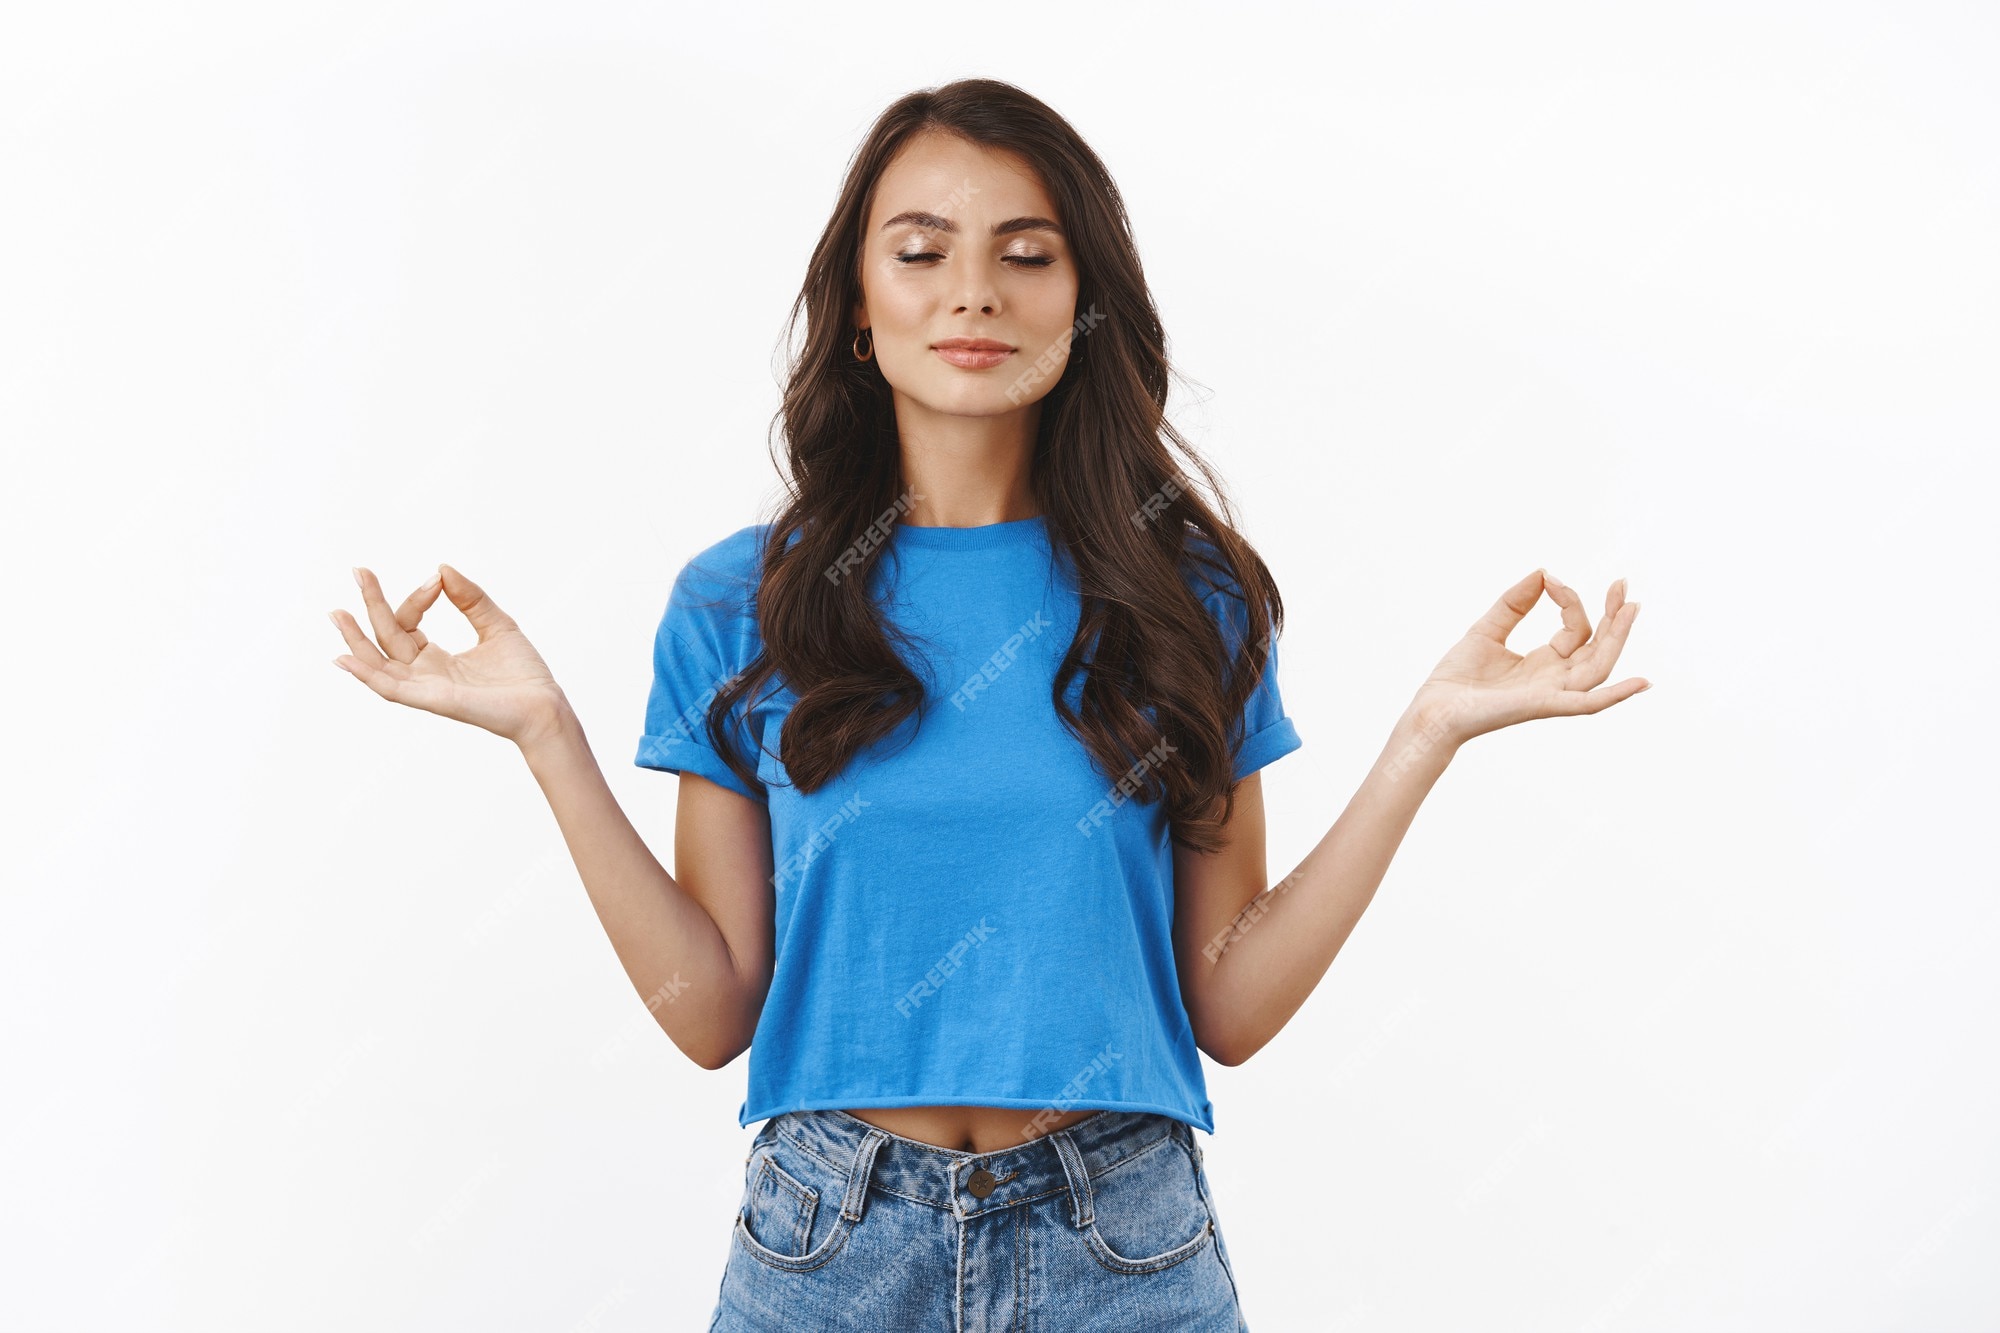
(965, 472)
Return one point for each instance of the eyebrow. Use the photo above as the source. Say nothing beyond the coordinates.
(934, 222)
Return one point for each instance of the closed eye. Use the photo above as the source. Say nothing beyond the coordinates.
(1028, 261)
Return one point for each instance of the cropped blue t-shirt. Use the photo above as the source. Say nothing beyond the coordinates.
(970, 913)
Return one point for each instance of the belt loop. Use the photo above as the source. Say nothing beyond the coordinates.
(857, 1178)
(1079, 1179)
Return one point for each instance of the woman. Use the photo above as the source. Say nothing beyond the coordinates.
(970, 844)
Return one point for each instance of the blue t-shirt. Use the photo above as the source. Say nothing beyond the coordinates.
(970, 913)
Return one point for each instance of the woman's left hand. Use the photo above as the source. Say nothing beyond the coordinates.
(1481, 686)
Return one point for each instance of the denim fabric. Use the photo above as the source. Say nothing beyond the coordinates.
(1105, 1226)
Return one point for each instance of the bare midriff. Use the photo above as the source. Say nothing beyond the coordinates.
(974, 1129)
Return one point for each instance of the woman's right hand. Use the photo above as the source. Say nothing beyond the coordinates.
(500, 683)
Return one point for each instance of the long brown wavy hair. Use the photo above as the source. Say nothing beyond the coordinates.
(1131, 522)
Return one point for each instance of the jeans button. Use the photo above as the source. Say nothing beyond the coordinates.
(980, 1183)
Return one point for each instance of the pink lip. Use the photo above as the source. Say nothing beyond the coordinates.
(973, 353)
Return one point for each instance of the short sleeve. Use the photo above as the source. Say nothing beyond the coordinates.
(694, 658)
(1264, 732)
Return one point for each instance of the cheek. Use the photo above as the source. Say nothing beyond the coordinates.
(1055, 341)
(899, 308)
(1053, 314)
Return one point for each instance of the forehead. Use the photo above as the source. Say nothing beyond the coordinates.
(950, 176)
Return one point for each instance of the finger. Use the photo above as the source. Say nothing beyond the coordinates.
(390, 679)
(1505, 614)
(358, 642)
(485, 614)
(1572, 703)
(1575, 631)
(413, 608)
(395, 640)
(1614, 598)
(1601, 654)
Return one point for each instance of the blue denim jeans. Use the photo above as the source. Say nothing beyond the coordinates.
(1106, 1225)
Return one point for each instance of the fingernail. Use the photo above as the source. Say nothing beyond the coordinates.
(334, 617)
(357, 577)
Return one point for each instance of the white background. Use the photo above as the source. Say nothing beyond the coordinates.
(1677, 1017)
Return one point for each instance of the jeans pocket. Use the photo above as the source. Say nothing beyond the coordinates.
(1148, 1212)
(790, 1217)
(779, 1211)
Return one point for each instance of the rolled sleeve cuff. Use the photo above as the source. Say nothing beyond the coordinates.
(680, 754)
(1273, 742)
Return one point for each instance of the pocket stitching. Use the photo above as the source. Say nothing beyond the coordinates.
(770, 1258)
(1118, 1263)
(805, 1199)
(791, 1263)
(1109, 1258)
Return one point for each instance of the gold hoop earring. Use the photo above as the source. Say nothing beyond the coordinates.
(860, 355)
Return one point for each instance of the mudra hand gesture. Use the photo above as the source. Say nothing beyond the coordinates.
(1481, 686)
(500, 683)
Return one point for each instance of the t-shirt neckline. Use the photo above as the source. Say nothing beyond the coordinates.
(978, 537)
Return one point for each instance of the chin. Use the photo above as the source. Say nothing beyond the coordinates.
(973, 400)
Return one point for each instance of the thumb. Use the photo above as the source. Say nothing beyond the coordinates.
(485, 614)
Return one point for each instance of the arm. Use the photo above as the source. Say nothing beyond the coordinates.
(698, 948)
(703, 968)
(1249, 956)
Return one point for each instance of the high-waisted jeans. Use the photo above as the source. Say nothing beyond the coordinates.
(1106, 1225)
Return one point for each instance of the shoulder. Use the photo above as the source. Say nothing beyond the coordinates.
(733, 559)
(714, 595)
(725, 570)
(1212, 581)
